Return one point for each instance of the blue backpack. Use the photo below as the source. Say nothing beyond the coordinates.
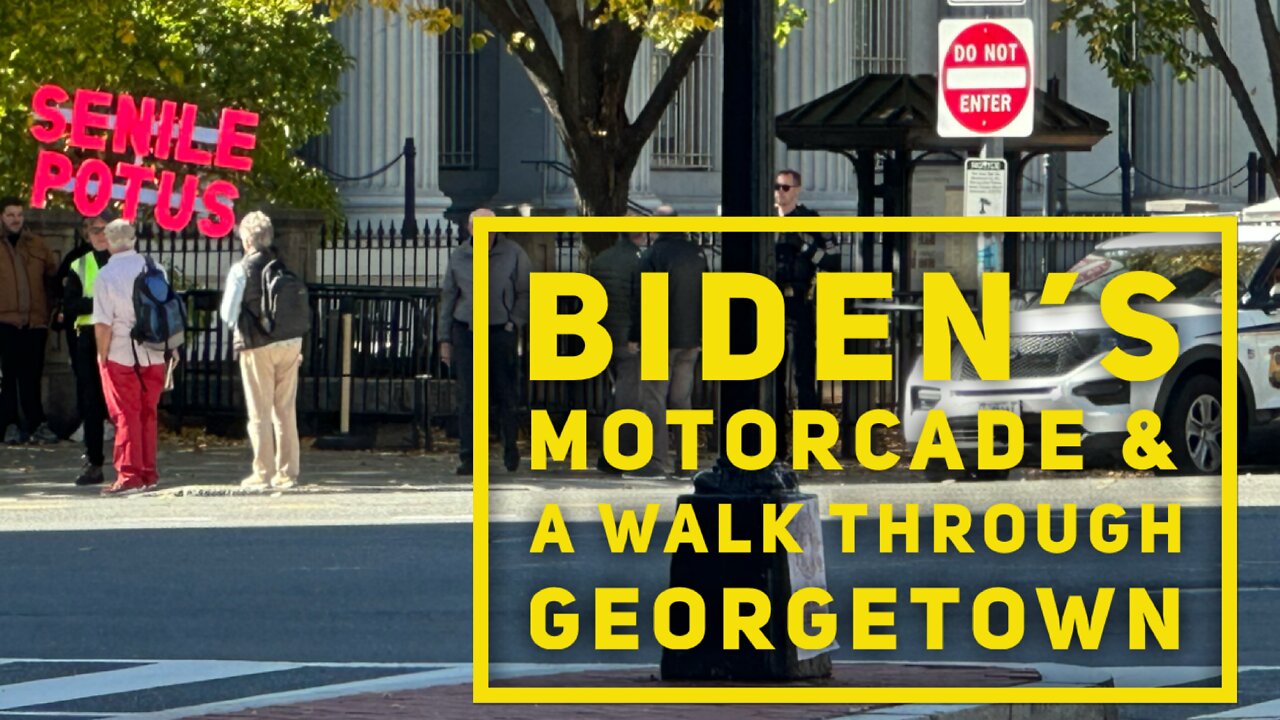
(161, 315)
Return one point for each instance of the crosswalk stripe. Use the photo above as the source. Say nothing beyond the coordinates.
(110, 682)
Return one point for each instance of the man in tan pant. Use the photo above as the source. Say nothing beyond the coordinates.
(268, 337)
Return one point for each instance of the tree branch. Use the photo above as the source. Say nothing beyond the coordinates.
(525, 13)
(1231, 74)
(591, 14)
(647, 121)
(540, 62)
(1271, 42)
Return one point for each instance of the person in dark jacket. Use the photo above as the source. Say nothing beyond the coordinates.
(508, 304)
(799, 256)
(27, 268)
(684, 262)
(616, 270)
(79, 269)
(269, 362)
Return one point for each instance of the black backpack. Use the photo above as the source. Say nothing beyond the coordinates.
(286, 305)
(160, 313)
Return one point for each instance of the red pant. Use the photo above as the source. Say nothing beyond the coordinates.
(132, 395)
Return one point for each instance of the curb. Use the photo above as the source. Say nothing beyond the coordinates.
(1051, 675)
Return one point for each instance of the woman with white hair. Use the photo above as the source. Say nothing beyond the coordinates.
(270, 352)
(132, 374)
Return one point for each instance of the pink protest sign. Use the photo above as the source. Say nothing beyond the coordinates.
(150, 130)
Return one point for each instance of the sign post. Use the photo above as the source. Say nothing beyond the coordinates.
(986, 89)
(984, 196)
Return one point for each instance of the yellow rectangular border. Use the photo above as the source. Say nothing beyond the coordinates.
(1225, 226)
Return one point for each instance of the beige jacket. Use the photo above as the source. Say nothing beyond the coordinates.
(25, 271)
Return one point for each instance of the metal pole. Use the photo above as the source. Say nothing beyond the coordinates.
(409, 229)
(746, 187)
(1124, 136)
(1250, 177)
(746, 183)
(344, 408)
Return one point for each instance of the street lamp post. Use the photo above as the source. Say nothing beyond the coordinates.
(746, 187)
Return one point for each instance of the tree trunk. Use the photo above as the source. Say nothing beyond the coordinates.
(602, 169)
(1244, 103)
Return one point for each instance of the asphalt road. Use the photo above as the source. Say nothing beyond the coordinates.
(402, 593)
(379, 585)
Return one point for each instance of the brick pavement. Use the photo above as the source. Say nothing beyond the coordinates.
(453, 702)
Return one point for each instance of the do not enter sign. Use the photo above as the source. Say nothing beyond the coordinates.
(985, 78)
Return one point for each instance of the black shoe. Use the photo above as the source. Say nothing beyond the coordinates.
(464, 468)
(91, 475)
(511, 458)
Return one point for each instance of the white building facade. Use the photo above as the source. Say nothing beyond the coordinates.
(483, 136)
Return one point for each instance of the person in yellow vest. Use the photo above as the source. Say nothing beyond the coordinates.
(83, 265)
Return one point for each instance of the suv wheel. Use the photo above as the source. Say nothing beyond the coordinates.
(1193, 426)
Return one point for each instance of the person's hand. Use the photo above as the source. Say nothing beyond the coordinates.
(446, 352)
(633, 347)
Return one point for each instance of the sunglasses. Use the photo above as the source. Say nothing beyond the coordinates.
(783, 187)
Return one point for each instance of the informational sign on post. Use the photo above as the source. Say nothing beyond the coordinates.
(984, 196)
(984, 187)
(985, 78)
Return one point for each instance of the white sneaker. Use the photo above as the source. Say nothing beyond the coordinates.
(280, 482)
(253, 482)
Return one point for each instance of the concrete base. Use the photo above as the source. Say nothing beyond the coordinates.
(711, 572)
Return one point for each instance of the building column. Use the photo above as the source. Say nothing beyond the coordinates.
(392, 92)
(1182, 133)
(815, 61)
(641, 188)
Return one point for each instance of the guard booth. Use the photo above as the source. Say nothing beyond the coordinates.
(885, 124)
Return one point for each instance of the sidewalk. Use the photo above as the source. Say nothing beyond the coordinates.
(201, 465)
(446, 698)
(206, 465)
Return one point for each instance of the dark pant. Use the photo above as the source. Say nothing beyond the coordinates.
(801, 355)
(89, 398)
(504, 387)
(22, 364)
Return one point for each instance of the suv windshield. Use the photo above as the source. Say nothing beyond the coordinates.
(1195, 270)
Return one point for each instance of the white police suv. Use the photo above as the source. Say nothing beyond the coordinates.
(1055, 354)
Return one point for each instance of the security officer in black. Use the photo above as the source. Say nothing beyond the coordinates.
(83, 265)
(799, 256)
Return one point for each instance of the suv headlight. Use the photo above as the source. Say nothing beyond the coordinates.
(925, 398)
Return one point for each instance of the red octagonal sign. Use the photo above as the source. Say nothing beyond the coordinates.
(985, 78)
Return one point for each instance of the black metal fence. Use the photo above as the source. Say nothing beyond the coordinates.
(369, 255)
(388, 343)
(193, 261)
(383, 256)
(388, 284)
